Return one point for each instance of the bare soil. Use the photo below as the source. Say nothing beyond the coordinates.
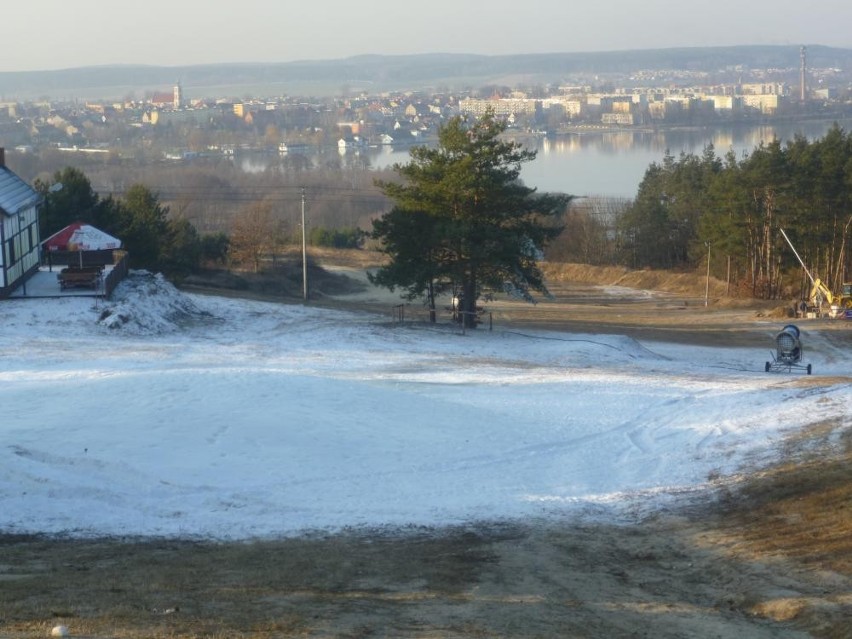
(767, 556)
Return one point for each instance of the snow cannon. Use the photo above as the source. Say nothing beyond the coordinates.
(788, 351)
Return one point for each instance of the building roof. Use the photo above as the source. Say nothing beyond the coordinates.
(15, 194)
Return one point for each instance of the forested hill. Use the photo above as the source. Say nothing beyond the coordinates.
(415, 72)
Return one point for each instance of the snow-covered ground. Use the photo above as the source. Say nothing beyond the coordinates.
(161, 413)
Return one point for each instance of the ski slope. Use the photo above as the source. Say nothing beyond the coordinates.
(166, 414)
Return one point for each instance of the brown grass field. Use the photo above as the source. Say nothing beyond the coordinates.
(767, 556)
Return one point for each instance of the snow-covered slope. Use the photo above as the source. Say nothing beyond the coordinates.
(161, 413)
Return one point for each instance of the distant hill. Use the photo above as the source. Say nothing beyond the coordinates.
(390, 73)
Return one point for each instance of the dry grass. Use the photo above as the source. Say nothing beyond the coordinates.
(797, 516)
(801, 510)
(349, 258)
(691, 284)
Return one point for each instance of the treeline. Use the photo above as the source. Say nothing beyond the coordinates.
(153, 238)
(733, 209)
(212, 192)
(687, 208)
(159, 238)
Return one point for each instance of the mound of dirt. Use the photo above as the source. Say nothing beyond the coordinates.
(341, 272)
(689, 283)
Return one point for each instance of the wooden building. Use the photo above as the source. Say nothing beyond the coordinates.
(19, 237)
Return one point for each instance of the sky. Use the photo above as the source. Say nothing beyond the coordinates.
(165, 414)
(58, 34)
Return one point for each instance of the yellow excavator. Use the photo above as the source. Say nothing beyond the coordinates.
(844, 300)
(820, 297)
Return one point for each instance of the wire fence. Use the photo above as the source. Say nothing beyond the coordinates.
(446, 317)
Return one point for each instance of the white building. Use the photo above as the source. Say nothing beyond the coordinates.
(178, 97)
(19, 238)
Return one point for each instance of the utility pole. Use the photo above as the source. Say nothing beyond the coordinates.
(304, 252)
(728, 278)
(707, 285)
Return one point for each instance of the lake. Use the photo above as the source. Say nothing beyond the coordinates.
(613, 163)
(606, 163)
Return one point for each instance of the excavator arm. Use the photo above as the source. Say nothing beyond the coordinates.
(820, 294)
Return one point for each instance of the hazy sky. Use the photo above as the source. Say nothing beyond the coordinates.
(57, 34)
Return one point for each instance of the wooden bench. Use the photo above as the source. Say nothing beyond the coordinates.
(79, 277)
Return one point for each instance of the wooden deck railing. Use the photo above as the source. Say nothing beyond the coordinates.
(118, 273)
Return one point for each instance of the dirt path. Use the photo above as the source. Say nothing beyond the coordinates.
(688, 574)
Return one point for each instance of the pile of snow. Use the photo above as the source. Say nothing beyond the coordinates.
(167, 414)
(164, 309)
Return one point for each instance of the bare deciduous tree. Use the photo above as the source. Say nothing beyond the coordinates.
(253, 234)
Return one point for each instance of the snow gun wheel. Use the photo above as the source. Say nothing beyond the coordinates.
(809, 369)
(768, 366)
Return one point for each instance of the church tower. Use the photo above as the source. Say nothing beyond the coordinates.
(178, 100)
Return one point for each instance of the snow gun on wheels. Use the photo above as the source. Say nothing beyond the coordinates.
(788, 352)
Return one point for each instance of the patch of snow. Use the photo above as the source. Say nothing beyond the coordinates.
(164, 310)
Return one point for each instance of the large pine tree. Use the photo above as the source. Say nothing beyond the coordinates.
(464, 219)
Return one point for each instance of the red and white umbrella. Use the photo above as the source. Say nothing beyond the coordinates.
(81, 237)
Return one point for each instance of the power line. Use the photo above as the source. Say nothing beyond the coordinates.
(376, 201)
(278, 194)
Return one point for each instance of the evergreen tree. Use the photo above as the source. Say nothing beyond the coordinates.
(660, 229)
(68, 198)
(143, 226)
(412, 240)
(486, 228)
(139, 220)
(182, 250)
(214, 248)
(738, 206)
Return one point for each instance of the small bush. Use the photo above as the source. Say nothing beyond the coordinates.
(336, 238)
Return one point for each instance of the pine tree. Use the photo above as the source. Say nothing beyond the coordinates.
(477, 225)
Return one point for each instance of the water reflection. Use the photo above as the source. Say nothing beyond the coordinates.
(613, 163)
(602, 162)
